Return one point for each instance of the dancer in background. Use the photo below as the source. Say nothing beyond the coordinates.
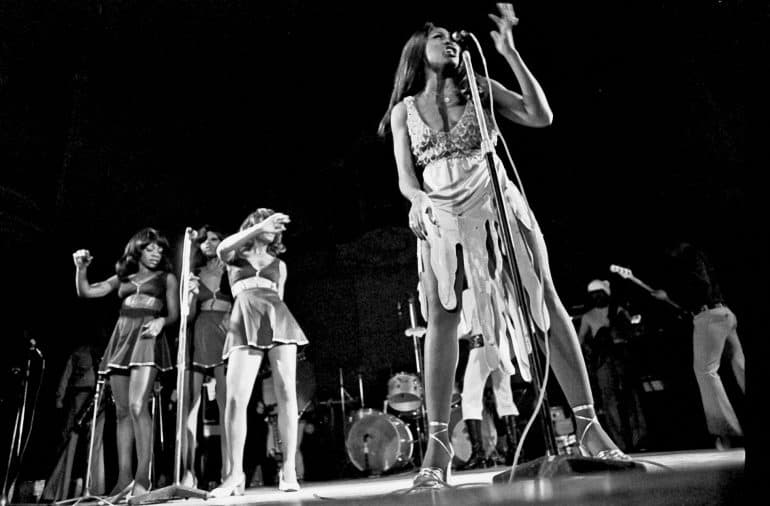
(137, 349)
(260, 324)
(477, 371)
(453, 214)
(211, 302)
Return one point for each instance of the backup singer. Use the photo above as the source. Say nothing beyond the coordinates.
(211, 302)
(453, 215)
(260, 324)
(138, 348)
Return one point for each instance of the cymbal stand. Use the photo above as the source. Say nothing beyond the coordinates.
(416, 333)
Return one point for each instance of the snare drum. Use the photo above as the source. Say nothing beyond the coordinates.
(405, 392)
(377, 442)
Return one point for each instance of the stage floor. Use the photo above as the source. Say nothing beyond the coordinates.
(687, 477)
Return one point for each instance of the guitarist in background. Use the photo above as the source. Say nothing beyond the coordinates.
(605, 334)
(692, 283)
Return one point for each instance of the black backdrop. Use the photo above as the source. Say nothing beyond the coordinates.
(116, 115)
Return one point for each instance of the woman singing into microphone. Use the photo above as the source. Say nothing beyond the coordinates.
(453, 214)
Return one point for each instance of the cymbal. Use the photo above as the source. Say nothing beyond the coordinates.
(332, 402)
(415, 331)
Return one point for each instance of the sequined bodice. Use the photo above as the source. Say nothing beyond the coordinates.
(428, 145)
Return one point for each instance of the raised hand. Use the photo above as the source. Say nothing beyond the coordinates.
(274, 224)
(82, 258)
(503, 37)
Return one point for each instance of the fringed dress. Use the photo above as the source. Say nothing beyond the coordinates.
(127, 347)
(259, 319)
(458, 183)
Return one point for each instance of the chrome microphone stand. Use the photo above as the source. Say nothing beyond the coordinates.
(177, 490)
(551, 464)
(16, 450)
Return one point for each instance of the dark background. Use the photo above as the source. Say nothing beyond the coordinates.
(116, 115)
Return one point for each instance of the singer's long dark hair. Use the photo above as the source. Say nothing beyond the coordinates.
(129, 262)
(410, 75)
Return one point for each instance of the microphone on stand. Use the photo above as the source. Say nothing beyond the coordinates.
(461, 36)
(33, 347)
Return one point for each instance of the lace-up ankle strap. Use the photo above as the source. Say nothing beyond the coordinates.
(433, 432)
(590, 419)
(583, 407)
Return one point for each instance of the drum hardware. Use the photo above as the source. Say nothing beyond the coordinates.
(95, 408)
(345, 398)
(361, 389)
(416, 333)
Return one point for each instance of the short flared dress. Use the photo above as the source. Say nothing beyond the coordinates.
(212, 320)
(259, 318)
(458, 183)
(127, 347)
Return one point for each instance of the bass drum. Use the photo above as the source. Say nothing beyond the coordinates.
(377, 442)
(461, 443)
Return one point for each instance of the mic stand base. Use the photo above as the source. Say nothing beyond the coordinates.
(74, 501)
(168, 493)
(553, 466)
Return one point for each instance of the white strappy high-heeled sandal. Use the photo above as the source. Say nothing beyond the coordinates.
(609, 454)
(435, 477)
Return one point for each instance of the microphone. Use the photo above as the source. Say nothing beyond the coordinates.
(460, 36)
(33, 347)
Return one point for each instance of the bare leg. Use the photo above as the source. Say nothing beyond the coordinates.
(566, 357)
(194, 397)
(242, 369)
(124, 431)
(139, 391)
(283, 361)
(221, 394)
(300, 464)
(441, 350)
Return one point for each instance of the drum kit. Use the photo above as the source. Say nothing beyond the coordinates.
(382, 441)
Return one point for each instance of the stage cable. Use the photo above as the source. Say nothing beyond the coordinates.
(546, 346)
